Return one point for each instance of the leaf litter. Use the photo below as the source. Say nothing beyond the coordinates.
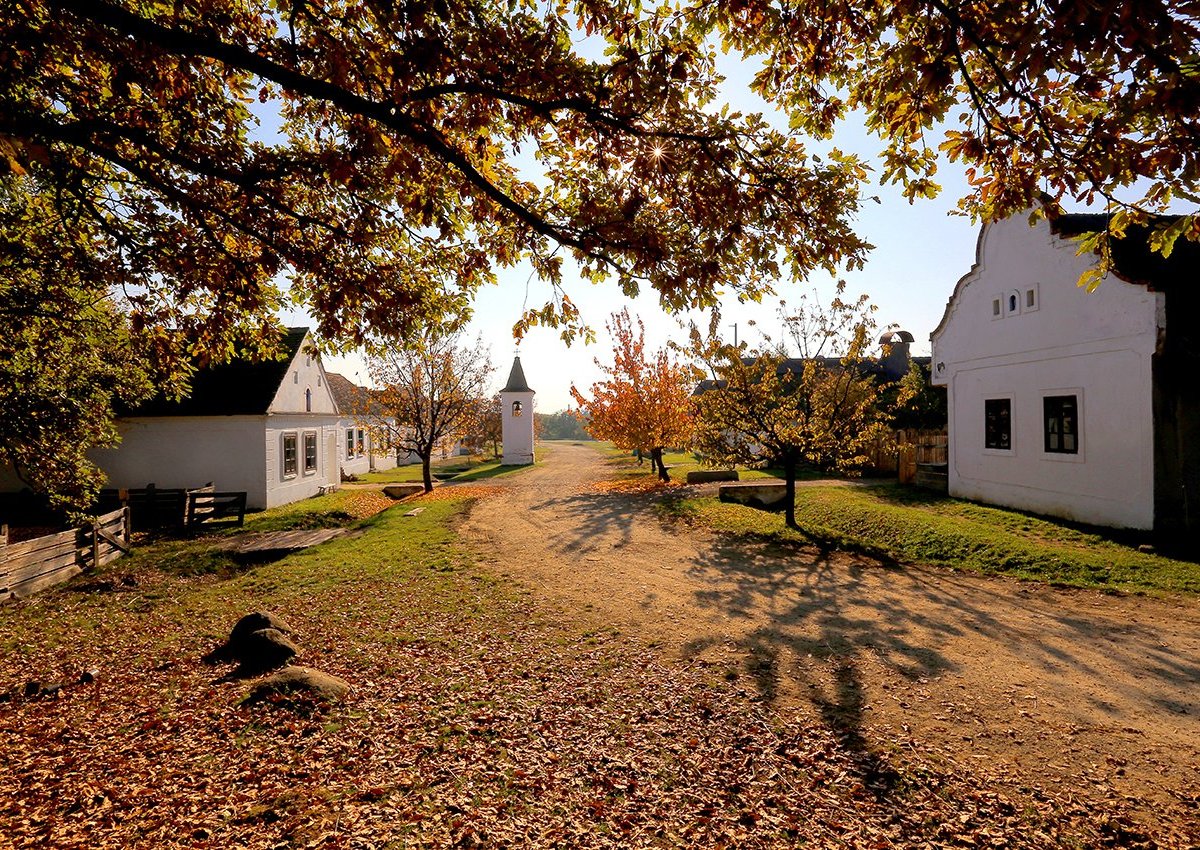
(475, 720)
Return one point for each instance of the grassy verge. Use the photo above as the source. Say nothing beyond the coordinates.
(679, 464)
(472, 468)
(471, 721)
(917, 526)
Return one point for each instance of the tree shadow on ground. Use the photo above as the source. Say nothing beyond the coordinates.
(805, 619)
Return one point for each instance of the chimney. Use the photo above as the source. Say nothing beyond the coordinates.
(894, 362)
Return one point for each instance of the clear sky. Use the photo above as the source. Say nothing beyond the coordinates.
(920, 252)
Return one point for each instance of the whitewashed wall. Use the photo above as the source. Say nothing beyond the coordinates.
(282, 488)
(304, 373)
(373, 458)
(189, 451)
(517, 431)
(1097, 346)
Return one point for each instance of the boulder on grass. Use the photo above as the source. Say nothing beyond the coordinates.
(231, 650)
(298, 684)
(264, 650)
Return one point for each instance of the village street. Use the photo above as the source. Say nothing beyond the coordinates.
(1027, 680)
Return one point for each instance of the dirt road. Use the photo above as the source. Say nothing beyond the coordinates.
(1044, 684)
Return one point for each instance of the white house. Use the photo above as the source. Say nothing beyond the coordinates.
(1083, 405)
(359, 451)
(516, 418)
(271, 429)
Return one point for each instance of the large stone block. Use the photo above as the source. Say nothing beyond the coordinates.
(768, 495)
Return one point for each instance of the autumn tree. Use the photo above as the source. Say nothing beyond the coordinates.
(428, 394)
(374, 163)
(644, 401)
(488, 429)
(819, 410)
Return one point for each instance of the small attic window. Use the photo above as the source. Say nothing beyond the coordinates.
(307, 400)
(1012, 303)
(995, 308)
(1031, 298)
(296, 377)
(318, 380)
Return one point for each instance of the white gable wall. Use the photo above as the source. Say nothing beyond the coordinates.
(305, 373)
(1096, 346)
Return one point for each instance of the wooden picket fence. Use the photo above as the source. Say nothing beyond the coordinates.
(33, 565)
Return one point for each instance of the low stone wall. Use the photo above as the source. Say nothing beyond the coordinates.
(768, 495)
(703, 476)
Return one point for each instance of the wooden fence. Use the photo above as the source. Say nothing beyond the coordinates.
(154, 508)
(901, 455)
(33, 565)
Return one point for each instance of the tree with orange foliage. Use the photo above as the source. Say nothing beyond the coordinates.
(645, 401)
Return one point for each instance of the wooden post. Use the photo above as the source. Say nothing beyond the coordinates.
(127, 524)
(95, 545)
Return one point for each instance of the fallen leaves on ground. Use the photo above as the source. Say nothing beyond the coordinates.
(457, 492)
(364, 503)
(472, 722)
(636, 485)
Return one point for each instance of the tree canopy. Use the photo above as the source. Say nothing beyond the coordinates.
(644, 402)
(432, 390)
(205, 163)
(822, 410)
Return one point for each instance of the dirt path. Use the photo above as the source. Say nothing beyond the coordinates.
(1044, 684)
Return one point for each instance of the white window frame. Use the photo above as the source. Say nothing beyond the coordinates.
(316, 467)
(283, 441)
(349, 444)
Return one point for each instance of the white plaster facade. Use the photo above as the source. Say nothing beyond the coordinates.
(285, 452)
(1019, 328)
(358, 449)
(516, 423)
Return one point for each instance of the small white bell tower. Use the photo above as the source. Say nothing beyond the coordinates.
(516, 411)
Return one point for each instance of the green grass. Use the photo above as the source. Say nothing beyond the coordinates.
(332, 510)
(679, 464)
(473, 468)
(911, 525)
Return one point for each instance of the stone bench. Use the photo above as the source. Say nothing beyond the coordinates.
(703, 476)
(400, 491)
(768, 495)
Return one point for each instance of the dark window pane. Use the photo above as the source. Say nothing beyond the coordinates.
(1062, 423)
(310, 452)
(997, 414)
(289, 454)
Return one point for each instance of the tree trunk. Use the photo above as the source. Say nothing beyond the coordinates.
(789, 491)
(656, 462)
(426, 473)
